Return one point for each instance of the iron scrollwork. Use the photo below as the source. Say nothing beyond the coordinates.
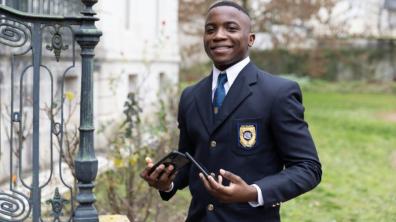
(13, 33)
(57, 203)
(13, 207)
(57, 43)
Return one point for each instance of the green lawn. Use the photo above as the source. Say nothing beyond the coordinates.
(355, 144)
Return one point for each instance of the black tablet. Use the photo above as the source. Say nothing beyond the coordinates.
(197, 164)
(175, 158)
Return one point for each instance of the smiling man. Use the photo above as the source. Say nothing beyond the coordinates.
(243, 124)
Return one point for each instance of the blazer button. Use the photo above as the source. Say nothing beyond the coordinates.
(210, 207)
(213, 144)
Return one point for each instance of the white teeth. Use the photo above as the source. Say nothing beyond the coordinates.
(217, 47)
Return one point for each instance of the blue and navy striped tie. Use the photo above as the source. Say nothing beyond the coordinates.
(219, 92)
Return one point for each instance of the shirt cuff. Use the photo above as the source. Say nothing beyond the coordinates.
(260, 200)
(170, 188)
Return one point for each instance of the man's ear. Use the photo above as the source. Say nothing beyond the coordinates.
(252, 37)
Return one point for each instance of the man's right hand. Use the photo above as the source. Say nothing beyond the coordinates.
(161, 178)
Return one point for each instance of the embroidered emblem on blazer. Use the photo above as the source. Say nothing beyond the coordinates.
(248, 135)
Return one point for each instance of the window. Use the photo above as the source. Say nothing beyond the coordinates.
(71, 83)
(162, 82)
(127, 14)
(132, 82)
(1, 78)
(157, 20)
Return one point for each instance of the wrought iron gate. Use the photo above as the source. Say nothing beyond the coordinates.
(32, 35)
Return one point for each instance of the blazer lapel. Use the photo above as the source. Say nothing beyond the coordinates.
(203, 99)
(238, 92)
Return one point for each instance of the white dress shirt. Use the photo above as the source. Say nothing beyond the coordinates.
(232, 73)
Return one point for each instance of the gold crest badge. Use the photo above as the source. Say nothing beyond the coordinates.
(247, 135)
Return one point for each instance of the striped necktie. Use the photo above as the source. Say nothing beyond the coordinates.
(219, 92)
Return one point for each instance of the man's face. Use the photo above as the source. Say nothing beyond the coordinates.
(227, 36)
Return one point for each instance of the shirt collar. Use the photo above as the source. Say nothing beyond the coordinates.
(232, 72)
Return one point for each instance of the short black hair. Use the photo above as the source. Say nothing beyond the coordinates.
(229, 3)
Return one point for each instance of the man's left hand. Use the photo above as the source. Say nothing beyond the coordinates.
(237, 191)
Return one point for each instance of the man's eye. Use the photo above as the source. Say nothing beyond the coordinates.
(232, 29)
(209, 30)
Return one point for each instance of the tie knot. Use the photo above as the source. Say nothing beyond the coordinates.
(222, 78)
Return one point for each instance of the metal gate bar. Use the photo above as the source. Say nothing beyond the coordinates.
(36, 196)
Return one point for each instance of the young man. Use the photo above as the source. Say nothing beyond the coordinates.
(245, 125)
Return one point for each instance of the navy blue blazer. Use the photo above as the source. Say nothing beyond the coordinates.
(259, 134)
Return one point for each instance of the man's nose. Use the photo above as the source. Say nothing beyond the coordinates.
(220, 34)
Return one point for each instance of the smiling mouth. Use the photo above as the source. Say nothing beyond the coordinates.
(220, 48)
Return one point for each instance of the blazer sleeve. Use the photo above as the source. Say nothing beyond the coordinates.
(302, 169)
(181, 179)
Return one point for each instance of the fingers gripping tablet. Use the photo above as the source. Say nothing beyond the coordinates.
(175, 158)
